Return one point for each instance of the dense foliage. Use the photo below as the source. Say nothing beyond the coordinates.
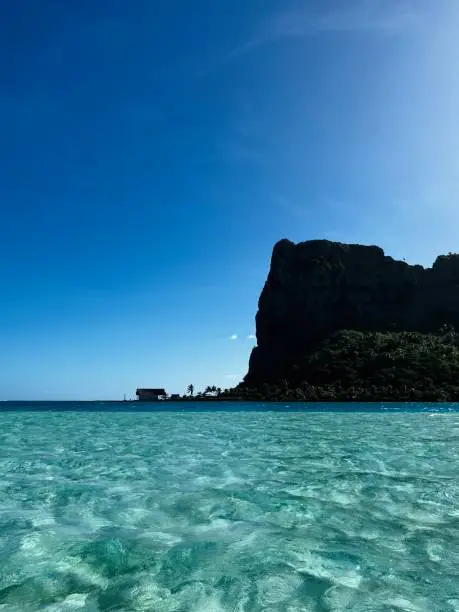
(369, 366)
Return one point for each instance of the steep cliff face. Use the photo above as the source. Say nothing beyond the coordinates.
(318, 287)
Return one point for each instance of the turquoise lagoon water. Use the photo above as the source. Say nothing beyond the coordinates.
(235, 510)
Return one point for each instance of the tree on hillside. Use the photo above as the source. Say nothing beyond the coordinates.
(190, 390)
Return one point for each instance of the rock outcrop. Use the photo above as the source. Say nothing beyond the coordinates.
(318, 287)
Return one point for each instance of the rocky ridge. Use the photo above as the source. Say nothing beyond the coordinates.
(317, 288)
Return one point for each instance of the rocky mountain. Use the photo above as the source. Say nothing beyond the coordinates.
(317, 288)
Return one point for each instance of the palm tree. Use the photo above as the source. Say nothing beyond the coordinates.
(190, 390)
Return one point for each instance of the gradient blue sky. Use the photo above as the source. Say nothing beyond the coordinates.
(151, 153)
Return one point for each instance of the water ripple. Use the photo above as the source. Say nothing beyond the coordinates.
(239, 512)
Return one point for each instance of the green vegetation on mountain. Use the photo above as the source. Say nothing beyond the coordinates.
(369, 366)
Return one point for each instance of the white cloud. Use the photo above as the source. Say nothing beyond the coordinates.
(376, 16)
(251, 337)
(231, 376)
(233, 337)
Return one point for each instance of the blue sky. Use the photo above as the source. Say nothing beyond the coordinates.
(151, 154)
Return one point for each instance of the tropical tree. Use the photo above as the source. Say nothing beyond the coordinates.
(190, 390)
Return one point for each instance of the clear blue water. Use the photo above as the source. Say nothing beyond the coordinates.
(233, 510)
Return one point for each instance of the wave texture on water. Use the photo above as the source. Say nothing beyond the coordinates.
(241, 512)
